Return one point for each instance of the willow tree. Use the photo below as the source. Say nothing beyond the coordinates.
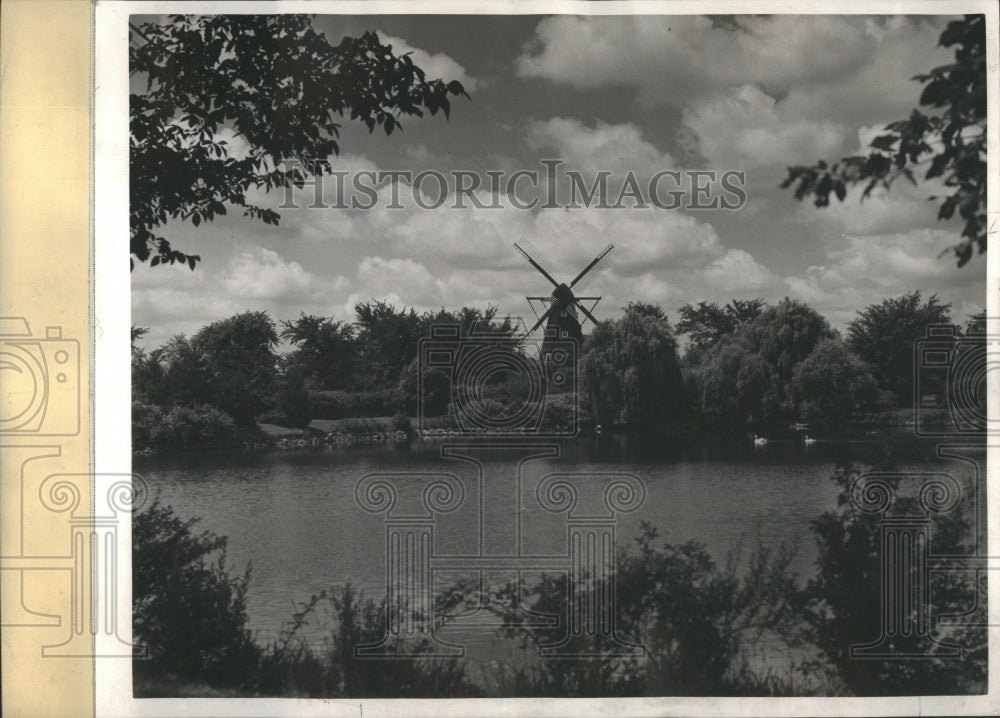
(631, 368)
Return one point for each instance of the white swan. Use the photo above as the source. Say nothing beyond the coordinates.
(759, 440)
(809, 441)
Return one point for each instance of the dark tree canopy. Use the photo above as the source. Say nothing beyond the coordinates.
(325, 352)
(273, 80)
(950, 135)
(831, 383)
(187, 609)
(883, 335)
(708, 322)
(976, 323)
(748, 374)
(238, 363)
(842, 602)
(630, 368)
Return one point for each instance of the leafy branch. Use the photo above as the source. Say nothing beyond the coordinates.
(951, 136)
(279, 86)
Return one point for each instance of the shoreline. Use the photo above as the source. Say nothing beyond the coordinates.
(386, 429)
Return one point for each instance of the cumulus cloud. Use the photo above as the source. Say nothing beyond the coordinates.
(764, 91)
(644, 239)
(264, 274)
(863, 269)
(615, 148)
(408, 283)
(450, 257)
(746, 128)
(903, 207)
(674, 58)
(449, 239)
(403, 277)
(437, 66)
(882, 88)
(175, 300)
(737, 272)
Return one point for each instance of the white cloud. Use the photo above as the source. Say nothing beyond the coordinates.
(863, 269)
(437, 66)
(403, 277)
(253, 279)
(264, 274)
(746, 128)
(673, 58)
(881, 89)
(903, 207)
(765, 91)
(616, 148)
(644, 240)
(737, 272)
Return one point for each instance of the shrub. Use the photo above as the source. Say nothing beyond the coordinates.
(434, 386)
(192, 427)
(692, 617)
(844, 601)
(561, 412)
(355, 620)
(401, 422)
(363, 426)
(293, 405)
(191, 615)
(354, 405)
(146, 420)
(181, 427)
(187, 610)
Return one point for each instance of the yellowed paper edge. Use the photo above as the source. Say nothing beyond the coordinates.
(45, 120)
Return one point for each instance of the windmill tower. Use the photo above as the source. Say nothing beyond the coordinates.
(562, 316)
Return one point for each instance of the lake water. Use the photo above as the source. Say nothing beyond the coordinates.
(295, 517)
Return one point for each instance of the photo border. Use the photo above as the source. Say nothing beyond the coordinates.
(111, 332)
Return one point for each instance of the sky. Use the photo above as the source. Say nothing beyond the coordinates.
(753, 94)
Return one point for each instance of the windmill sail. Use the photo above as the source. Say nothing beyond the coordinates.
(563, 317)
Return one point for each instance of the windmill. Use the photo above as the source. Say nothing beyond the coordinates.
(563, 305)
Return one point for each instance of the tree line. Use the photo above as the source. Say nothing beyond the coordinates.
(742, 364)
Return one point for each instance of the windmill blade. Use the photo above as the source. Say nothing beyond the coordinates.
(541, 319)
(579, 305)
(536, 265)
(582, 285)
(590, 266)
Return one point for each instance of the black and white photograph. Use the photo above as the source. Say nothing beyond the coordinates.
(601, 353)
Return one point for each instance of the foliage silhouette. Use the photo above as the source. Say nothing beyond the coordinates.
(274, 83)
(843, 601)
(692, 617)
(883, 335)
(187, 610)
(630, 368)
(951, 136)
